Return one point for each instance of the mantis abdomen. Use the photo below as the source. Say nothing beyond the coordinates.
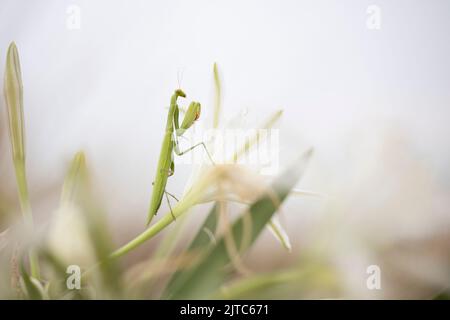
(162, 174)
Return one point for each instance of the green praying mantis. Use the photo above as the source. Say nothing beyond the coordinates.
(170, 145)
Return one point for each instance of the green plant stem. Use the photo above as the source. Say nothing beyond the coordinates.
(34, 264)
(25, 206)
(305, 277)
(144, 236)
(218, 97)
(23, 192)
(257, 284)
(171, 239)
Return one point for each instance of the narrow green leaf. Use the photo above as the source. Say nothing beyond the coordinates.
(102, 242)
(13, 92)
(77, 191)
(279, 233)
(201, 241)
(444, 295)
(74, 177)
(31, 286)
(218, 96)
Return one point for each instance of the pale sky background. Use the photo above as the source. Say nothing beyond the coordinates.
(345, 90)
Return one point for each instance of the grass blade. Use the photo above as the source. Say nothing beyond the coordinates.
(13, 92)
(217, 97)
(34, 292)
(201, 241)
(77, 189)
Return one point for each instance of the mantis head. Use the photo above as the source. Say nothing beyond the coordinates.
(180, 93)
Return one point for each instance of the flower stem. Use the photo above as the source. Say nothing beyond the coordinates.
(24, 200)
(144, 236)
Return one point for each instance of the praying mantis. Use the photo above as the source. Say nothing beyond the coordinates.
(166, 166)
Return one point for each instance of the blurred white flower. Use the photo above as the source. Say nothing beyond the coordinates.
(68, 236)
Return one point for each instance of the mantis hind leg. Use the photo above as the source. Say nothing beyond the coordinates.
(171, 195)
(167, 194)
